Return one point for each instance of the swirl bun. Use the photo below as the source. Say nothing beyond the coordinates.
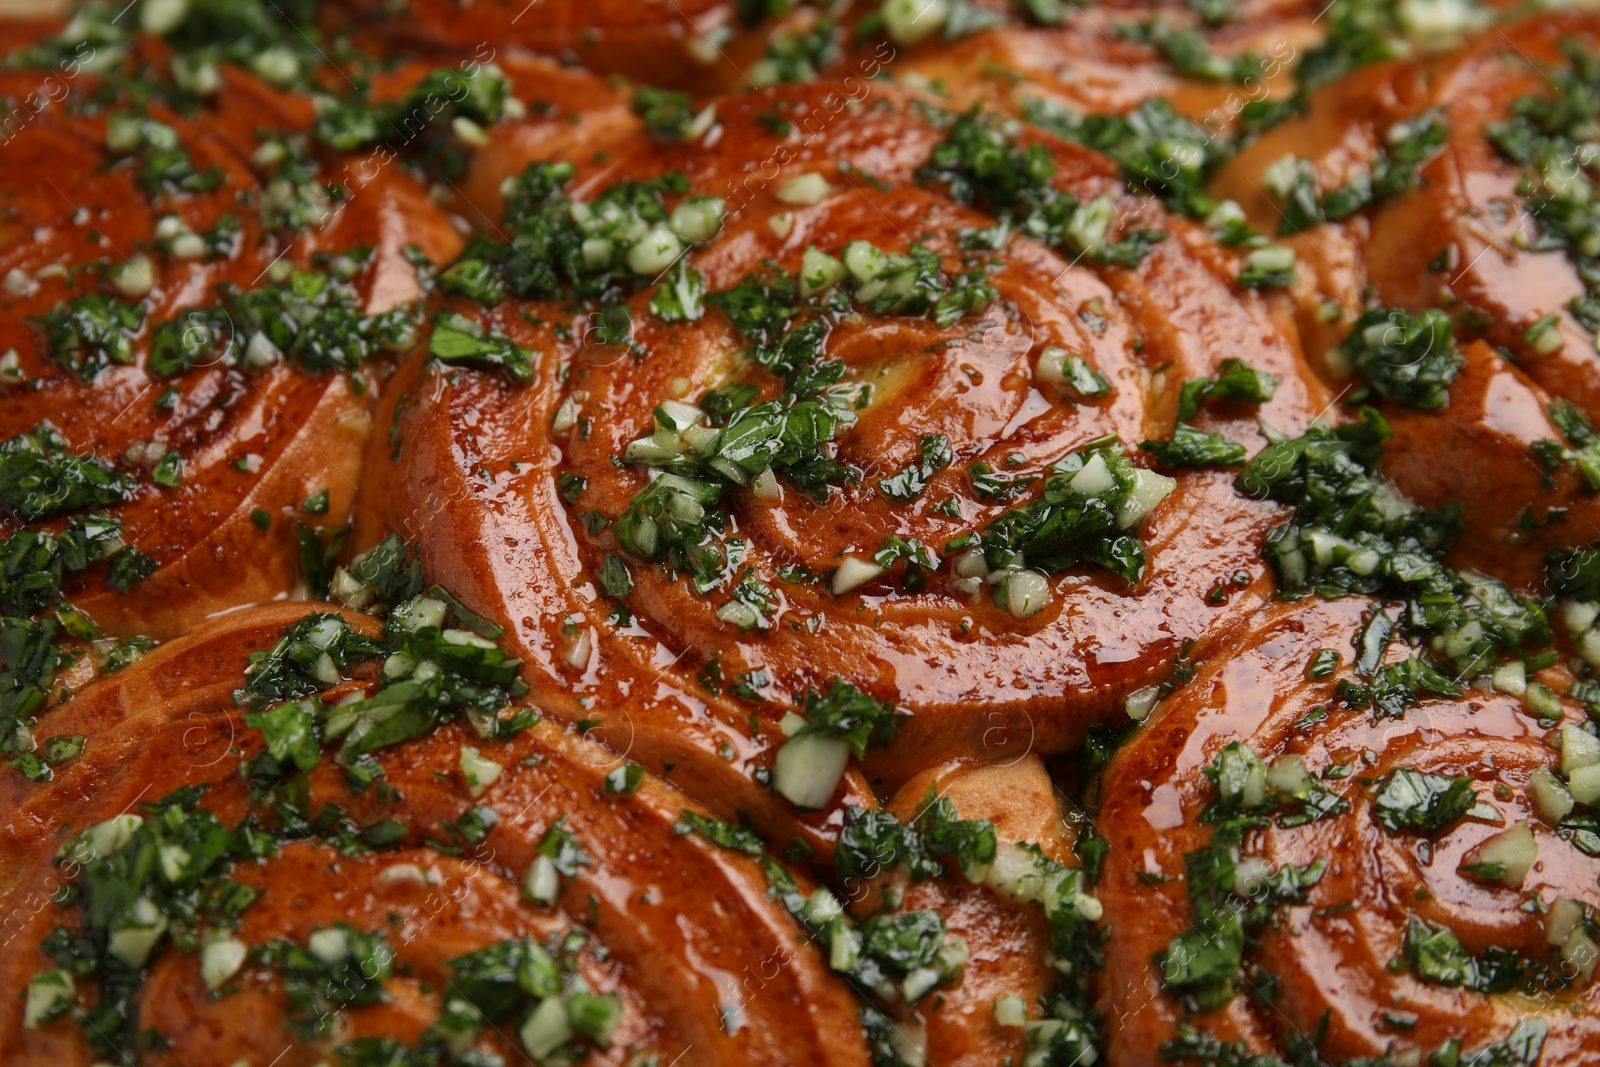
(1382, 925)
(1499, 425)
(666, 930)
(133, 384)
(1468, 234)
(703, 45)
(915, 533)
(681, 931)
(520, 494)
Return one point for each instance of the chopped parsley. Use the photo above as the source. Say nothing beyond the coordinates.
(798, 57)
(384, 575)
(1397, 686)
(1393, 170)
(615, 581)
(312, 654)
(1546, 134)
(139, 878)
(1088, 512)
(338, 967)
(1353, 533)
(1410, 359)
(457, 338)
(908, 483)
(675, 519)
(89, 333)
(1437, 955)
(536, 988)
(595, 252)
(1579, 433)
(433, 672)
(1190, 53)
(681, 295)
(1160, 151)
(436, 122)
(979, 164)
(33, 565)
(319, 549)
(846, 712)
(1359, 33)
(700, 454)
(164, 165)
(1191, 447)
(475, 279)
(40, 478)
(894, 955)
(1520, 1048)
(1203, 962)
(624, 778)
(874, 841)
(313, 320)
(128, 568)
(1410, 800)
(665, 113)
(1235, 382)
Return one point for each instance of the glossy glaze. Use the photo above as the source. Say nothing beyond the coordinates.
(463, 463)
(296, 433)
(1253, 687)
(1467, 208)
(973, 677)
(707, 46)
(687, 927)
(1088, 68)
(1009, 941)
(1516, 509)
(689, 44)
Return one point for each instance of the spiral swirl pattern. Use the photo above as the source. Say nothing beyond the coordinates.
(973, 676)
(1347, 959)
(921, 533)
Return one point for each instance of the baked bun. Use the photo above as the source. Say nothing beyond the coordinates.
(528, 487)
(660, 927)
(909, 533)
(1466, 233)
(697, 44)
(1370, 862)
(671, 934)
(157, 380)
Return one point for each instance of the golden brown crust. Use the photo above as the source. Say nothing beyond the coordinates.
(688, 929)
(1009, 941)
(974, 678)
(1335, 951)
(688, 44)
(1458, 238)
(253, 444)
(663, 708)
(1516, 507)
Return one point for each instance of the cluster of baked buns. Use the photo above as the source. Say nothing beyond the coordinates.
(932, 533)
